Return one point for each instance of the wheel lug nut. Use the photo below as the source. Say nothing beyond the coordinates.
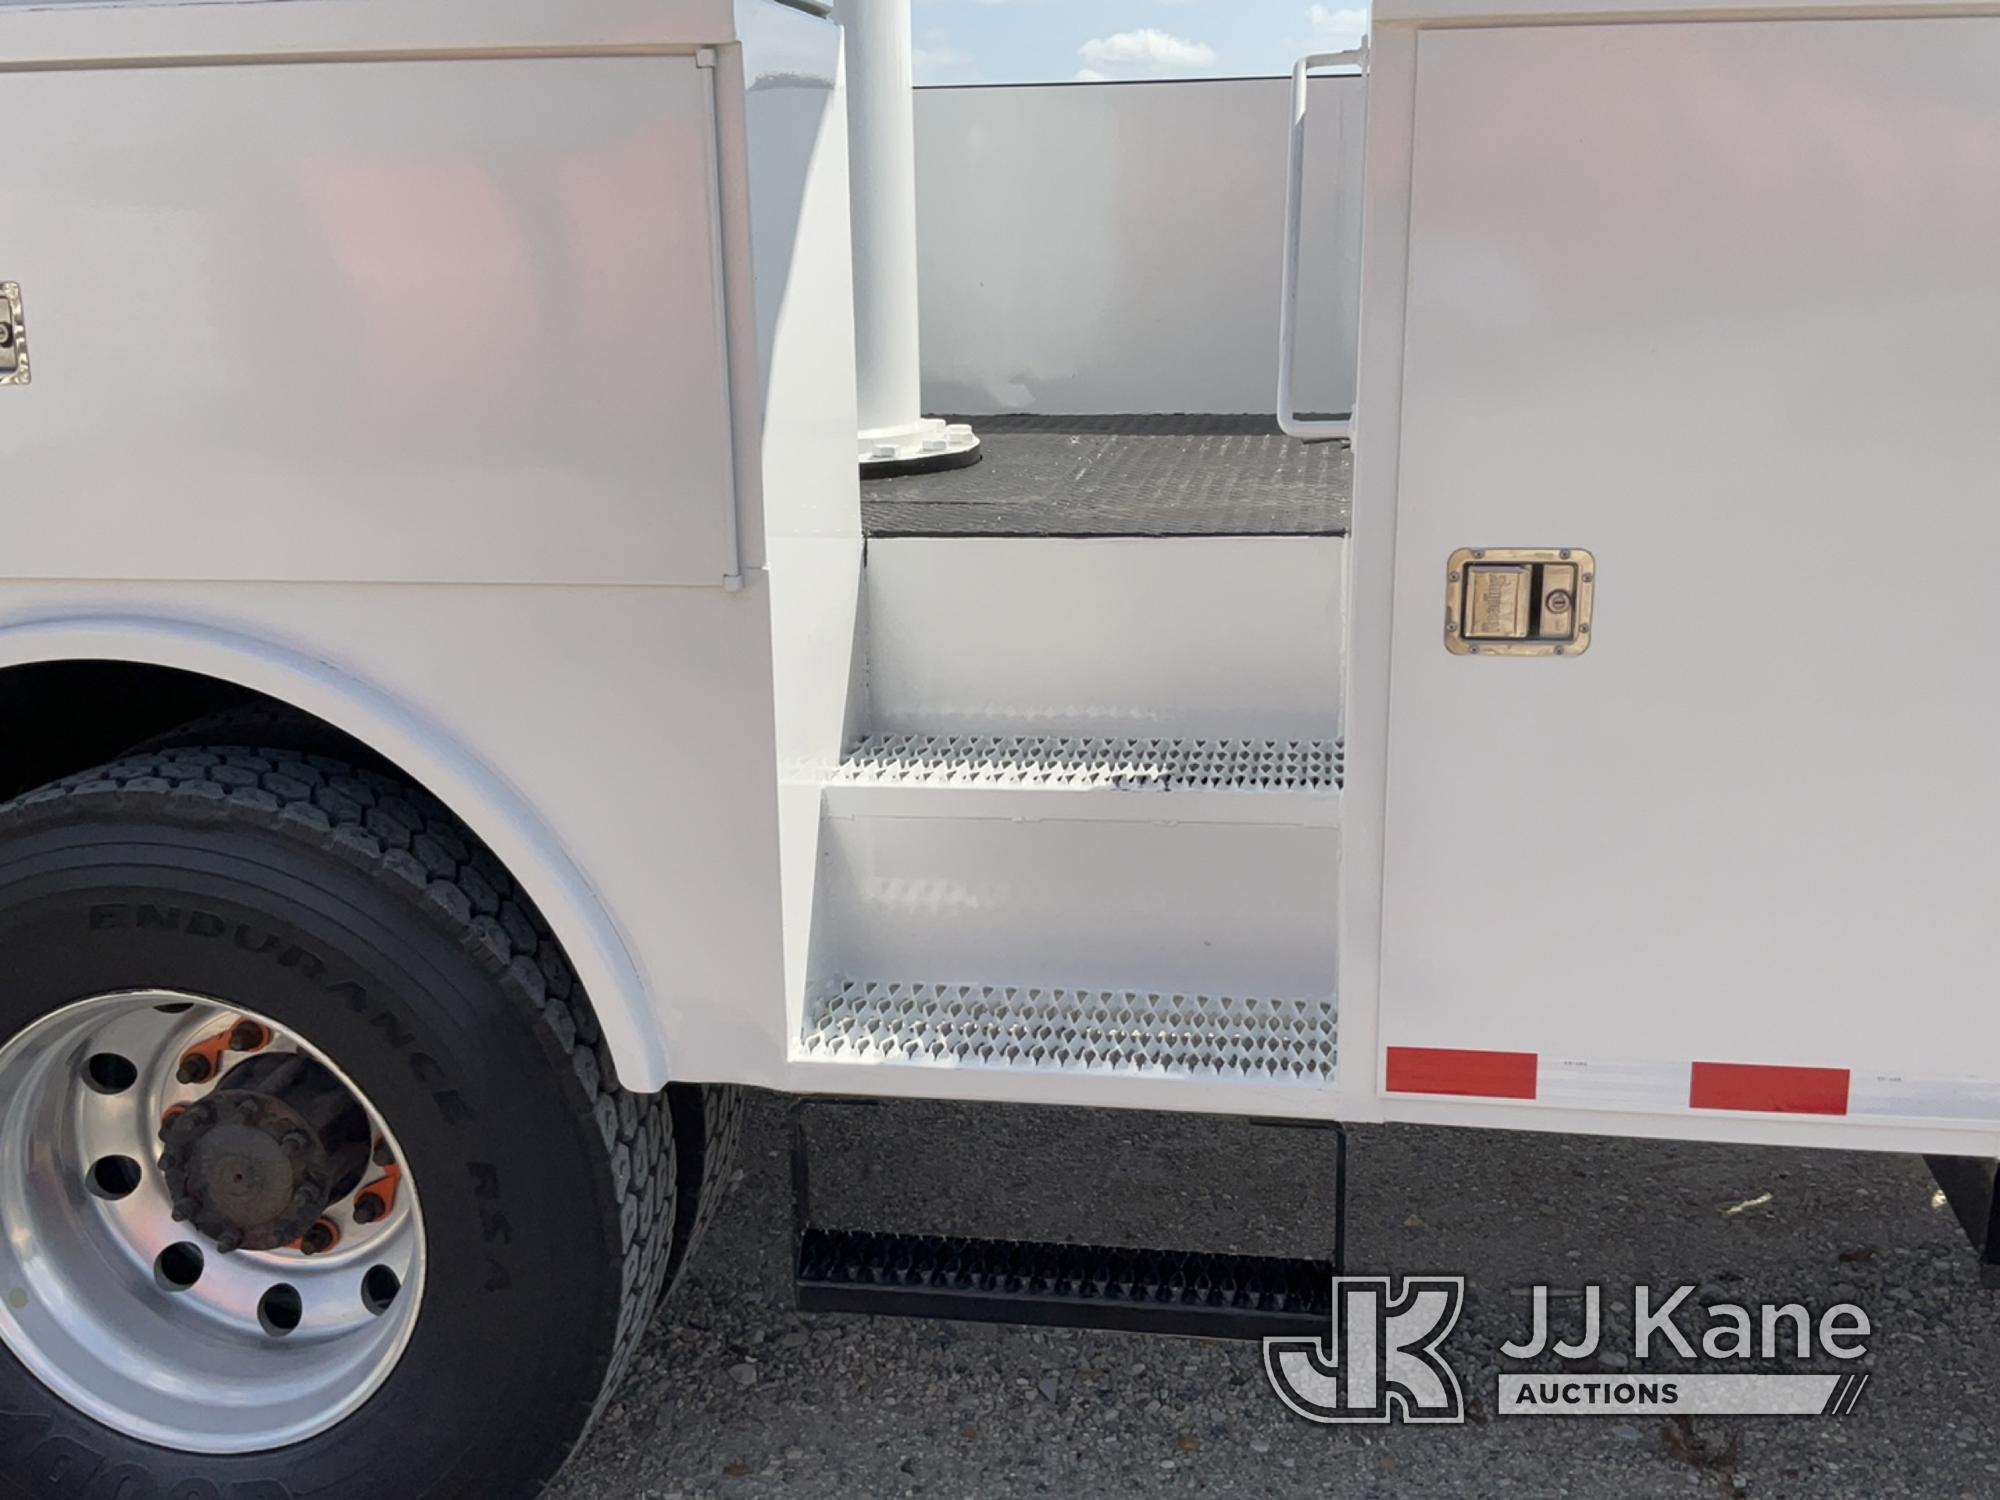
(294, 1144)
(367, 1208)
(194, 1069)
(170, 1161)
(185, 1209)
(248, 1036)
(229, 1241)
(319, 1239)
(384, 1157)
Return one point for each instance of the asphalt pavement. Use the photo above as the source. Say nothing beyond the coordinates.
(737, 1394)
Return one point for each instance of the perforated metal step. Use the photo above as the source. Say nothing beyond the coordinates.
(1083, 1286)
(1051, 762)
(1037, 1028)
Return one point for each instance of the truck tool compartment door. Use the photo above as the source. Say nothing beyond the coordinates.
(1721, 304)
(430, 320)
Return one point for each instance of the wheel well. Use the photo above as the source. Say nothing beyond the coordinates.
(67, 716)
(70, 713)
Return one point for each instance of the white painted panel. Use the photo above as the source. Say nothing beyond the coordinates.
(450, 321)
(1180, 805)
(1286, 1101)
(1214, 908)
(1229, 636)
(795, 279)
(1448, 12)
(98, 30)
(799, 280)
(1115, 247)
(1650, 269)
(635, 724)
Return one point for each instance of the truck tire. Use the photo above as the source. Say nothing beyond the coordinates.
(708, 1125)
(272, 727)
(342, 1014)
(707, 1118)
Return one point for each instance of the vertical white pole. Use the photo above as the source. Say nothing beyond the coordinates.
(882, 137)
(882, 146)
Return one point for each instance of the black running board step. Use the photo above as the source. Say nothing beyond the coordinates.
(1067, 1286)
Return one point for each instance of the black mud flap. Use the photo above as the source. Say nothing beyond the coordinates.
(1968, 1184)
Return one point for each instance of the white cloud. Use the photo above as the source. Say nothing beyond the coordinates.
(1346, 24)
(1090, 75)
(936, 60)
(1148, 47)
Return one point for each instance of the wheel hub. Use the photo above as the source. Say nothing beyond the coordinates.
(256, 1162)
(144, 1134)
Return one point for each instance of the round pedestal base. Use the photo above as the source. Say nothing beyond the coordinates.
(927, 447)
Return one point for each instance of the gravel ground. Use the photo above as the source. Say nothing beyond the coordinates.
(736, 1394)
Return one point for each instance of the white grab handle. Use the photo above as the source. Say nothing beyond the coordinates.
(1289, 421)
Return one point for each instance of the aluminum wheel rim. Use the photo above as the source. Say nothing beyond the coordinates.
(90, 1300)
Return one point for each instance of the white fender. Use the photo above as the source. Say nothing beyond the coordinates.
(450, 771)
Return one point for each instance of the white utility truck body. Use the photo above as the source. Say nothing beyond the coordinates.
(476, 378)
(483, 401)
(473, 381)
(1713, 299)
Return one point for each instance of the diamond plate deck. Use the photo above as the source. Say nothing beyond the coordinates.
(1043, 1028)
(1125, 476)
(1050, 762)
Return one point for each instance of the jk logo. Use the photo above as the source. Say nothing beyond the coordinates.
(1381, 1363)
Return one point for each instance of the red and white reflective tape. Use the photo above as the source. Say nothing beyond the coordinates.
(1757, 1088)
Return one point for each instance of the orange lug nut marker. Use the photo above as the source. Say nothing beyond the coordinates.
(378, 1198)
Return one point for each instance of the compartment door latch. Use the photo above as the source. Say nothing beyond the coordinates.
(13, 337)
(1519, 601)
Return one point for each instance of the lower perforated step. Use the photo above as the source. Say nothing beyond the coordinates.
(1050, 762)
(1040, 1028)
(1074, 1286)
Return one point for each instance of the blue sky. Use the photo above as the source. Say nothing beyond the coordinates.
(1049, 41)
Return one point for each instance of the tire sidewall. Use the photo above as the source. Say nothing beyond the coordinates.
(522, 1286)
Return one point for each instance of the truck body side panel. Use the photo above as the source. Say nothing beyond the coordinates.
(412, 321)
(1716, 302)
(437, 389)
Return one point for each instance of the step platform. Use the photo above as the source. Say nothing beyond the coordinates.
(1205, 869)
(1120, 1289)
(1105, 637)
(1117, 1288)
(1133, 476)
(1057, 1029)
(1155, 763)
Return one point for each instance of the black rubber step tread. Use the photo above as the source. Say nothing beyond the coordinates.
(1079, 1286)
